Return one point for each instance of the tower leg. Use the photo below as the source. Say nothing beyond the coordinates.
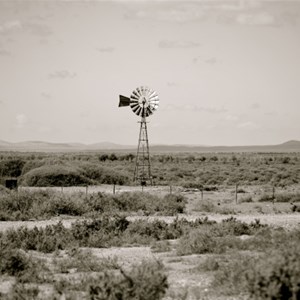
(142, 171)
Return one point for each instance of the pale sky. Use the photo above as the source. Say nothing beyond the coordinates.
(226, 72)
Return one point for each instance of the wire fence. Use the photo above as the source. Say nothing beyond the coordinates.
(237, 193)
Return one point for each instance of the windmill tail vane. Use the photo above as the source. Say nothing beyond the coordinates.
(143, 102)
(124, 101)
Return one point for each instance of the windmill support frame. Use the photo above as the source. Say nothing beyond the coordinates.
(142, 172)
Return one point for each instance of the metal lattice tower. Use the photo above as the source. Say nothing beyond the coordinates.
(142, 172)
(143, 102)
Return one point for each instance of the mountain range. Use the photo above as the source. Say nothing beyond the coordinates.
(39, 146)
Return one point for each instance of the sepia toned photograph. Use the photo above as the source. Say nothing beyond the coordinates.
(150, 149)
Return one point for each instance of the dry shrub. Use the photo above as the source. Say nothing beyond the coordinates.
(146, 281)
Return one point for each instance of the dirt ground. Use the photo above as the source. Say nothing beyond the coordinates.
(182, 275)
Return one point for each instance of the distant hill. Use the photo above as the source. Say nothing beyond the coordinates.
(290, 146)
(39, 146)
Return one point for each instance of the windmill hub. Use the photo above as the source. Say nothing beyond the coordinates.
(143, 102)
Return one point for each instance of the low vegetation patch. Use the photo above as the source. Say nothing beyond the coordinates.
(217, 238)
(95, 278)
(146, 281)
(282, 197)
(103, 232)
(209, 207)
(40, 204)
(67, 174)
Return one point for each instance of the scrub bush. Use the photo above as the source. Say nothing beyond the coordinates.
(146, 281)
(55, 175)
(276, 275)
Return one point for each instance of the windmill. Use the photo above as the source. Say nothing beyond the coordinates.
(143, 102)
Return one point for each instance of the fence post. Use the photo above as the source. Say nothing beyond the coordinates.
(114, 190)
(86, 191)
(170, 189)
(236, 196)
(273, 194)
(201, 194)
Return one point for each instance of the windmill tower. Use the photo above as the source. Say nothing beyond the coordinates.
(143, 102)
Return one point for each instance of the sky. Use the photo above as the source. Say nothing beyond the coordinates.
(226, 72)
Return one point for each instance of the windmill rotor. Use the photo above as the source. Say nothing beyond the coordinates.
(143, 101)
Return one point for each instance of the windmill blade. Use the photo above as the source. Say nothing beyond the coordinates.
(124, 101)
(133, 104)
(149, 111)
(135, 108)
(135, 96)
(138, 111)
